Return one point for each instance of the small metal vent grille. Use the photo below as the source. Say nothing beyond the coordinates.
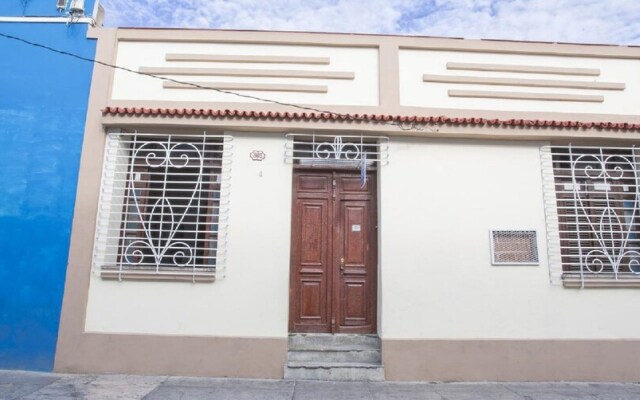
(514, 247)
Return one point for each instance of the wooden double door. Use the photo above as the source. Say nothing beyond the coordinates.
(333, 253)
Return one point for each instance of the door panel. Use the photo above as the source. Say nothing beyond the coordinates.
(355, 305)
(311, 253)
(354, 226)
(357, 277)
(311, 299)
(314, 243)
(333, 255)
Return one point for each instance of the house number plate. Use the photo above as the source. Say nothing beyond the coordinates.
(355, 228)
(257, 155)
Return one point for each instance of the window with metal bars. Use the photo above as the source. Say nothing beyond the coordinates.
(163, 207)
(336, 150)
(597, 198)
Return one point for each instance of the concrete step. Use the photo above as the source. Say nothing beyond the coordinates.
(334, 347)
(328, 355)
(339, 357)
(333, 371)
(301, 340)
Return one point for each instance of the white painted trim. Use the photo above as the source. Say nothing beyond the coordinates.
(96, 10)
(59, 20)
(554, 254)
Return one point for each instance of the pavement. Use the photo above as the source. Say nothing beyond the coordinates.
(35, 385)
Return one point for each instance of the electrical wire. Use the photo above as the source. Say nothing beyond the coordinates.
(404, 127)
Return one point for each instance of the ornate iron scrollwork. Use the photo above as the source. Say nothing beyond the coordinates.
(161, 246)
(610, 224)
(337, 150)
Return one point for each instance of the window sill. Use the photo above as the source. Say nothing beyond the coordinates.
(573, 280)
(166, 274)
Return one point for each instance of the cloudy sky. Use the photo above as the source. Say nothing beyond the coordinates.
(581, 21)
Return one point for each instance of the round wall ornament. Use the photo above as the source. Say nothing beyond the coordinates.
(257, 155)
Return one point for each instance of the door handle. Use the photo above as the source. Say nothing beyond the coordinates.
(341, 264)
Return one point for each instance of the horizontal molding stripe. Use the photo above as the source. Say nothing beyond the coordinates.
(271, 73)
(248, 59)
(259, 87)
(523, 82)
(526, 96)
(374, 42)
(523, 69)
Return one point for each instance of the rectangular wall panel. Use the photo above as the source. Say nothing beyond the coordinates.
(518, 82)
(298, 74)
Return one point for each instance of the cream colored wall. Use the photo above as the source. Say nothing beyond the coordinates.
(363, 90)
(415, 92)
(252, 300)
(438, 201)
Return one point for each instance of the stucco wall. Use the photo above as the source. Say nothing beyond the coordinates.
(438, 201)
(42, 112)
(252, 300)
(415, 92)
(361, 90)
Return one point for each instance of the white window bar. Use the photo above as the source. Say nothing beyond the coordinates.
(345, 150)
(164, 205)
(592, 201)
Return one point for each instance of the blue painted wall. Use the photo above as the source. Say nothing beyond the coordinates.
(43, 104)
(34, 8)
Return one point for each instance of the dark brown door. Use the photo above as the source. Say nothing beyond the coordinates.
(333, 253)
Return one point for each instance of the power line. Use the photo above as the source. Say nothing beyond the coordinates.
(411, 126)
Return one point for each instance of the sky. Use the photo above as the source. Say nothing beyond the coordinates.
(576, 21)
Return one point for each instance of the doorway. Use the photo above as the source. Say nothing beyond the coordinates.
(333, 285)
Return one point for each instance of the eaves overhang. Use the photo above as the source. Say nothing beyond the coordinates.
(440, 120)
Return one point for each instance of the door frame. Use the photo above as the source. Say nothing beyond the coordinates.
(333, 277)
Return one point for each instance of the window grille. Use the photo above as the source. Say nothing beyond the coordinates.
(349, 151)
(514, 247)
(592, 201)
(163, 207)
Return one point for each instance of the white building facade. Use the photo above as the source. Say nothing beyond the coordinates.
(472, 203)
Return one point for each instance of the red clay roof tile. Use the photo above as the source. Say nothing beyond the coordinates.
(275, 115)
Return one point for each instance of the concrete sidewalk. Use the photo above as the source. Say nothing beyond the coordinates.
(33, 385)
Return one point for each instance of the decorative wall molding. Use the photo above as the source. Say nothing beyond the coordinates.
(247, 59)
(269, 73)
(526, 96)
(258, 87)
(531, 69)
(550, 83)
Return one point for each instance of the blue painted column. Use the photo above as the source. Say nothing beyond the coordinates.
(43, 104)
